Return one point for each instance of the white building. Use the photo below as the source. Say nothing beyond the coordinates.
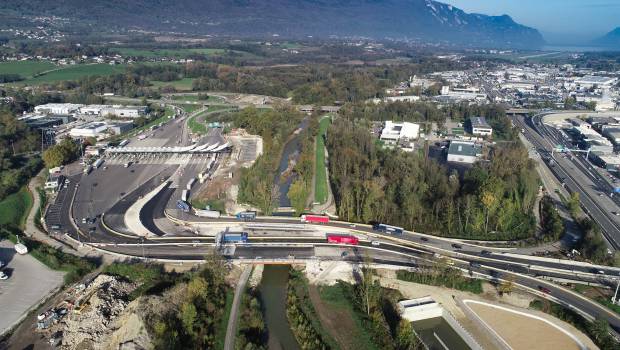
(393, 132)
(94, 129)
(124, 111)
(408, 98)
(57, 108)
(590, 81)
(479, 126)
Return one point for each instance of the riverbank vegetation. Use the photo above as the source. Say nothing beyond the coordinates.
(252, 328)
(320, 186)
(491, 200)
(301, 188)
(552, 223)
(258, 184)
(374, 313)
(302, 316)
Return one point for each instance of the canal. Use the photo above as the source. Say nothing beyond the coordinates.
(273, 296)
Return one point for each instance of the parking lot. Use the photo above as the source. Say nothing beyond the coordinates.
(28, 283)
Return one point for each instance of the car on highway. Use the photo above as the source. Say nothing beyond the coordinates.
(424, 239)
(475, 265)
(544, 290)
(485, 252)
(375, 243)
(1, 264)
(3, 276)
(457, 246)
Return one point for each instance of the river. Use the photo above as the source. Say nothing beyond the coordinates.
(273, 296)
(285, 178)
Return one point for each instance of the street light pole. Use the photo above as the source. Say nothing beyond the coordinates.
(613, 299)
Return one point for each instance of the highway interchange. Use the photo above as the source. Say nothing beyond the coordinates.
(105, 195)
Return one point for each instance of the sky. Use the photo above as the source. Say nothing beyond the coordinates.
(561, 21)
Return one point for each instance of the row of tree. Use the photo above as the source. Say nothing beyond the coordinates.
(301, 188)
(492, 200)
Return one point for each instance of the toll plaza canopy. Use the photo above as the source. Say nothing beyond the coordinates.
(206, 148)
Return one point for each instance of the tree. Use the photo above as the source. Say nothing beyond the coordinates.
(298, 195)
(188, 317)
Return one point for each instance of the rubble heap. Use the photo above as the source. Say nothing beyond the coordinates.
(93, 325)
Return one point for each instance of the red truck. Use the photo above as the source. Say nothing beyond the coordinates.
(315, 219)
(342, 239)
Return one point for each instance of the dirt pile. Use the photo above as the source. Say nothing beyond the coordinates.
(98, 315)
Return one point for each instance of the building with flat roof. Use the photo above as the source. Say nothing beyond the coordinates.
(94, 129)
(590, 81)
(479, 126)
(124, 111)
(464, 152)
(120, 128)
(393, 132)
(57, 108)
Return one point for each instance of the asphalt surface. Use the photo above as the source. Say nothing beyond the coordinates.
(576, 178)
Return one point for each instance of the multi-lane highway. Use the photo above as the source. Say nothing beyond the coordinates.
(104, 196)
(577, 177)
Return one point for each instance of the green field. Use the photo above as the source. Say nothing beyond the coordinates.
(184, 84)
(75, 72)
(15, 207)
(320, 186)
(26, 69)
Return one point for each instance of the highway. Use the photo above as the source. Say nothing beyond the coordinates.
(576, 177)
(107, 194)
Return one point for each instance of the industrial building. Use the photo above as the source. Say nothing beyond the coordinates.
(589, 81)
(57, 108)
(110, 110)
(94, 129)
(464, 152)
(119, 128)
(479, 126)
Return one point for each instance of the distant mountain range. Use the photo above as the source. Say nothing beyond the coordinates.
(426, 20)
(611, 39)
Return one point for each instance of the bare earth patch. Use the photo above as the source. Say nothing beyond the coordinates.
(336, 321)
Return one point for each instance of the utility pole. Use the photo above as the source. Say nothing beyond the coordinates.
(614, 299)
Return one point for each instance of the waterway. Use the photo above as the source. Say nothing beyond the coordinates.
(273, 296)
(285, 176)
(437, 334)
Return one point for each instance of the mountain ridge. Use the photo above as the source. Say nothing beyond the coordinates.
(612, 38)
(428, 20)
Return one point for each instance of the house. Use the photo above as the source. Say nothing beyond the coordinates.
(479, 126)
(464, 152)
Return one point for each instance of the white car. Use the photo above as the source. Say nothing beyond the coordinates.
(375, 243)
(3, 276)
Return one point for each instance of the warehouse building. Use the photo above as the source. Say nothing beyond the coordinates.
(57, 108)
(393, 132)
(94, 129)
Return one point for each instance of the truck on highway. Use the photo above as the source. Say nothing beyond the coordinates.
(389, 229)
(183, 205)
(190, 183)
(128, 164)
(213, 214)
(235, 237)
(314, 219)
(246, 215)
(21, 249)
(123, 143)
(88, 169)
(98, 163)
(185, 195)
(342, 239)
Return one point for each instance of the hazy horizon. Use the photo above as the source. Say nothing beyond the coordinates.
(559, 21)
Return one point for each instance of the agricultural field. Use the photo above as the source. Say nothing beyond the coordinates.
(26, 69)
(74, 73)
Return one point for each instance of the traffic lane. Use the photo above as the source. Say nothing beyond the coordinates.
(599, 214)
